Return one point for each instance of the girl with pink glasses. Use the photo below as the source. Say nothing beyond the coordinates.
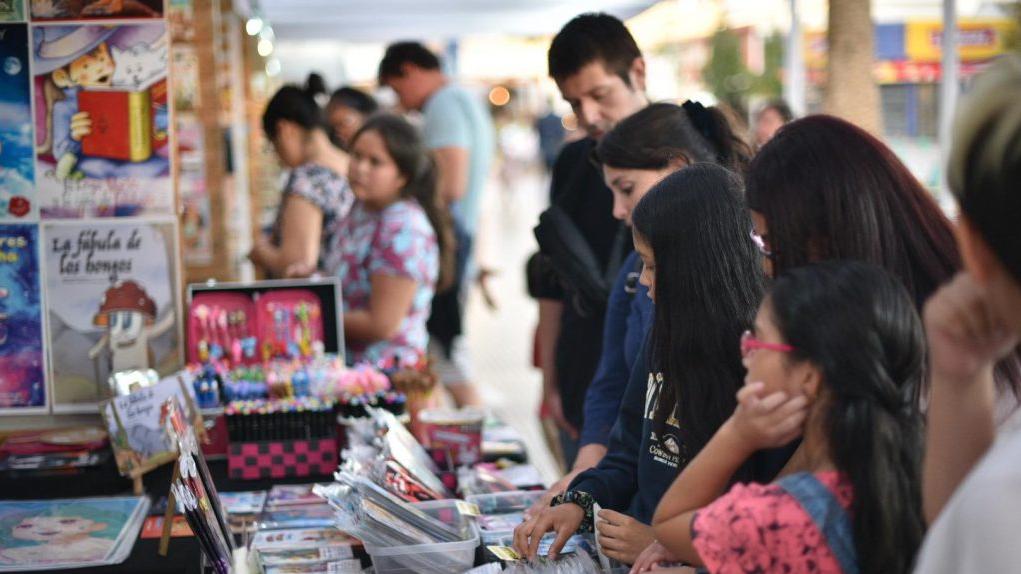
(835, 357)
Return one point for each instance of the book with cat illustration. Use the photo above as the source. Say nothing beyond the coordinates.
(124, 121)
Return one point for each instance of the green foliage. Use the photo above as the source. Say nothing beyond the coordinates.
(729, 78)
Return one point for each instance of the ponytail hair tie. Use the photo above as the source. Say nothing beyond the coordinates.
(700, 117)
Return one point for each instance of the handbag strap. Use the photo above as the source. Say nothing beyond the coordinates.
(828, 515)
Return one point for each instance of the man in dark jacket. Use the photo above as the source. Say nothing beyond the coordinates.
(600, 71)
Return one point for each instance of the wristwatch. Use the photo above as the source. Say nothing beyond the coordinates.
(583, 500)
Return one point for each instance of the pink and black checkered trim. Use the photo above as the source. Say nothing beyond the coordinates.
(280, 459)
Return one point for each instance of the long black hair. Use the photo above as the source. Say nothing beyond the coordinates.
(858, 325)
(709, 282)
(296, 105)
(830, 190)
(408, 151)
(661, 133)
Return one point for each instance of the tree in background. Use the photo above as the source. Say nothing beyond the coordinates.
(851, 92)
(727, 75)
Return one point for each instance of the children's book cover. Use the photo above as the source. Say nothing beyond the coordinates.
(12, 11)
(101, 120)
(37, 534)
(17, 187)
(113, 305)
(22, 377)
(43, 10)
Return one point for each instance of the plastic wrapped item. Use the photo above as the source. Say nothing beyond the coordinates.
(431, 537)
(577, 563)
(384, 451)
(505, 502)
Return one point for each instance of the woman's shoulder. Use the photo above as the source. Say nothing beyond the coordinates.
(406, 213)
(317, 178)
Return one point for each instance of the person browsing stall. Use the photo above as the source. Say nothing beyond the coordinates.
(704, 273)
(346, 112)
(635, 155)
(316, 194)
(395, 248)
(824, 189)
(850, 500)
(459, 133)
(600, 72)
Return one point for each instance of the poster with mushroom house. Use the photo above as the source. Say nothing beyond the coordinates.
(110, 288)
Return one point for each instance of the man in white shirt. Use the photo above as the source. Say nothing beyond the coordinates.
(972, 487)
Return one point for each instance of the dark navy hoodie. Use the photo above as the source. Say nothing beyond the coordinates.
(640, 466)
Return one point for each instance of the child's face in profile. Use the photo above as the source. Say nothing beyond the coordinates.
(55, 529)
(94, 69)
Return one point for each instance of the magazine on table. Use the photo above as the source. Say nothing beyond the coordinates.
(68, 533)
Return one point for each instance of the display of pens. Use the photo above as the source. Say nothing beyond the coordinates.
(282, 419)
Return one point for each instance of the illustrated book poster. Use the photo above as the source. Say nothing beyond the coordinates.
(68, 533)
(102, 120)
(12, 11)
(17, 189)
(43, 10)
(112, 305)
(22, 378)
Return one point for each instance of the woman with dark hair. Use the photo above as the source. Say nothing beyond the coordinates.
(826, 189)
(850, 501)
(346, 112)
(316, 193)
(638, 153)
(395, 248)
(704, 273)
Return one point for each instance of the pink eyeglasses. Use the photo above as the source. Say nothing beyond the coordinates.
(749, 343)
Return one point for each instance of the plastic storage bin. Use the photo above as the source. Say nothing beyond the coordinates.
(441, 558)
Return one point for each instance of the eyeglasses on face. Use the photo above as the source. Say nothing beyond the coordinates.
(749, 343)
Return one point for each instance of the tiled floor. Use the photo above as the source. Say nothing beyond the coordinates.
(501, 341)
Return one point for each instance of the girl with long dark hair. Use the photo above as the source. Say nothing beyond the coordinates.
(836, 355)
(316, 194)
(636, 155)
(823, 189)
(704, 272)
(395, 247)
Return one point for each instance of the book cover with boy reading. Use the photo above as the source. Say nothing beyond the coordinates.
(101, 120)
(123, 123)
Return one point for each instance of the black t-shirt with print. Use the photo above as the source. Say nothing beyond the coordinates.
(637, 455)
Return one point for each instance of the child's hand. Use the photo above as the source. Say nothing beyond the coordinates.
(623, 538)
(654, 555)
(81, 126)
(770, 421)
